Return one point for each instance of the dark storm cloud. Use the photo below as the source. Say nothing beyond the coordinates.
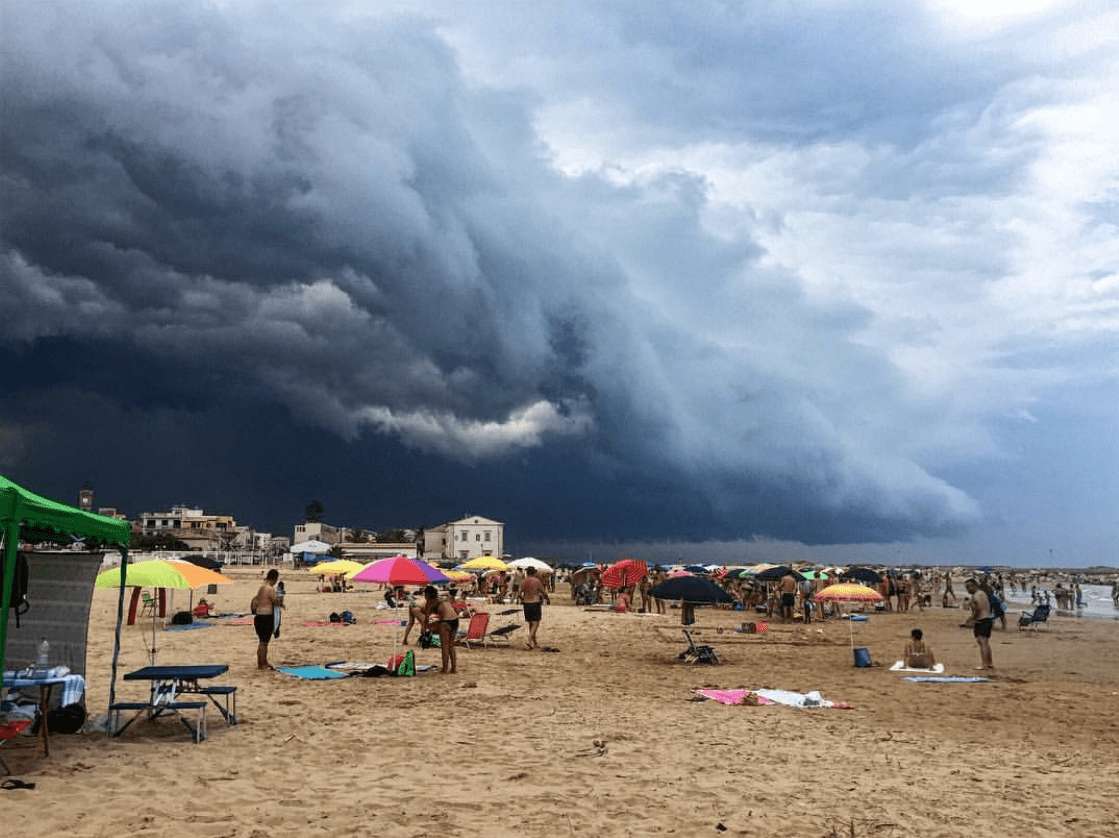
(291, 208)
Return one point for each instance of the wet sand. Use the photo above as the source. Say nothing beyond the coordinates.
(507, 746)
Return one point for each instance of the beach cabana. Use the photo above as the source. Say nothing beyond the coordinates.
(27, 516)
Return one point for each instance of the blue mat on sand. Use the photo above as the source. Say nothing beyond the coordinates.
(188, 627)
(947, 679)
(312, 672)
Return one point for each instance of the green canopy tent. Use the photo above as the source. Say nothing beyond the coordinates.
(22, 512)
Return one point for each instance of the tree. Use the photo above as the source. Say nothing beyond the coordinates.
(358, 536)
(394, 536)
(313, 512)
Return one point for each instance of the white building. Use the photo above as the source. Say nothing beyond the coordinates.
(465, 539)
(317, 531)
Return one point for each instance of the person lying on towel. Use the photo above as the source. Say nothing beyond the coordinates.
(918, 654)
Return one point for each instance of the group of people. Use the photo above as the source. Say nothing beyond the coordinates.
(433, 613)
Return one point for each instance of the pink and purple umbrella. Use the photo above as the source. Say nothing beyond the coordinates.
(400, 570)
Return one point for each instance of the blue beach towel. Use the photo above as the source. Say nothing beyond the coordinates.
(947, 679)
(312, 672)
(188, 627)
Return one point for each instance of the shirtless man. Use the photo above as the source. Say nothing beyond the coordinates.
(533, 597)
(982, 622)
(264, 606)
(788, 590)
(440, 616)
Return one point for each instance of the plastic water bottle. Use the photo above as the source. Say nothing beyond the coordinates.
(44, 653)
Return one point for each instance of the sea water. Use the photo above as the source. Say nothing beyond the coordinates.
(1097, 602)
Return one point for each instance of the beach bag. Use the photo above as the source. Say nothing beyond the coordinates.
(182, 618)
(348, 617)
(20, 602)
(407, 667)
(335, 617)
(68, 719)
(429, 640)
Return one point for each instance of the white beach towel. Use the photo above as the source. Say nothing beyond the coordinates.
(900, 666)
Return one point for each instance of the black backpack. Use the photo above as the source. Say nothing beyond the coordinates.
(20, 602)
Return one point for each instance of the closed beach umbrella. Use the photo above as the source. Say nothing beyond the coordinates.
(849, 593)
(483, 563)
(625, 573)
(697, 590)
(201, 561)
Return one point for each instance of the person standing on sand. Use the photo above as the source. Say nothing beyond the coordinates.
(533, 597)
(948, 592)
(439, 615)
(264, 607)
(788, 590)
(982, 622)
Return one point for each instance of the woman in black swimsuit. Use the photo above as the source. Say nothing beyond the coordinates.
(440, 615)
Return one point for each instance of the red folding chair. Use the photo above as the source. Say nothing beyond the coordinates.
(476, 631)
(9, 731)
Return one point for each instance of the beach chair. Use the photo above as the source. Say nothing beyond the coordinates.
(147, 604)
(1035, 618)
(697, 654)
(8, 732)
(478, 632)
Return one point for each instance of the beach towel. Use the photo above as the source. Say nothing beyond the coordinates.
(730, 697)
(389, 622)
(312, 672)
(801, 700)
(188, 627)
(900, 666)
(947, 679)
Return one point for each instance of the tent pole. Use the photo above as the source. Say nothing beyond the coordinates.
(116, 635)
(11, 547)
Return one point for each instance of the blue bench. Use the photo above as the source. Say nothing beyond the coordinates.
(229, 711)
(197, 732)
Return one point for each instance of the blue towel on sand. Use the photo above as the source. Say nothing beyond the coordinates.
(312, 672)
(188, 627)
(946, 679)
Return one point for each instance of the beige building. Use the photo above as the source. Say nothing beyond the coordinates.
(465, 539)
(370, 551)
(317, 531)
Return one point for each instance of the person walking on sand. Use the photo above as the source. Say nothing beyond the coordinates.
(533, 597)
(982, 622)
(265, 606)
(440, 616)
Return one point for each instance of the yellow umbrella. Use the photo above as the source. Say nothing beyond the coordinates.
(346, 567)
(849, 592)
(483, 563)
(458, 575)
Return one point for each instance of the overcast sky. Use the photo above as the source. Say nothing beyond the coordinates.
(831, 273)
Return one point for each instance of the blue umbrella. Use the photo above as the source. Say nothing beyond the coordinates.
(696, 568)
(695, 589)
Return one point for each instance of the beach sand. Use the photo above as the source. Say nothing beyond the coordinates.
(507, 746)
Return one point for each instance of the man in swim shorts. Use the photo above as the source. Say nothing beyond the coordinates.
(264, 606)
(533, 597)
(982, 621)
(788, 589)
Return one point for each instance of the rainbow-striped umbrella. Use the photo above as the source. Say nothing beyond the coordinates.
(849, 592)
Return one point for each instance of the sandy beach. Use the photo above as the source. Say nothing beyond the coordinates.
(508, 746)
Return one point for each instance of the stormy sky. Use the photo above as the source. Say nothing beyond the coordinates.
(831, 273)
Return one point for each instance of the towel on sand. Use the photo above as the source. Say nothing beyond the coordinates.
(322, 623)
(900, 666)
(312, 672)
(946, 679)
(188, 627)
(785, 697)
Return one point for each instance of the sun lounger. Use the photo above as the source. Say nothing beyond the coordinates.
(697, 654)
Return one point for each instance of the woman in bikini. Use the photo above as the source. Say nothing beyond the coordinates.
(439, 615)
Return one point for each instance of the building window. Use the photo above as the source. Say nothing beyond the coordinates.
(465, 535)
(478, 537)
(487, 535)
